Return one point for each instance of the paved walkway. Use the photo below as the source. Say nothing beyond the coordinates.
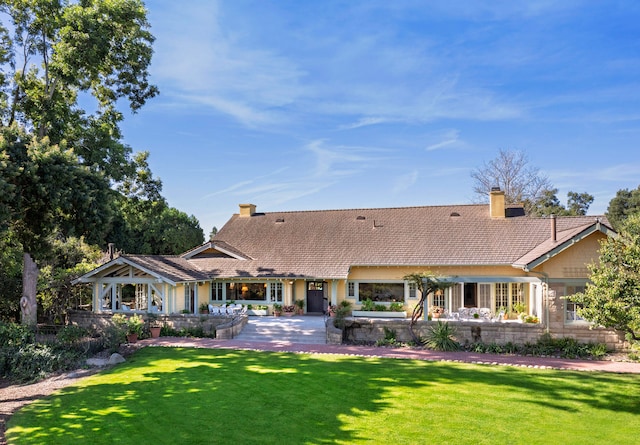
(401, 353)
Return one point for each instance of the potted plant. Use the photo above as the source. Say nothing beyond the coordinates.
(289, 310)
(154, 325)
(277, 309)
(204, 308)
(135, 326)
(436, 312)
(299, 306)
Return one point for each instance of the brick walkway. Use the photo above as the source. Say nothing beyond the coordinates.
(402, 353)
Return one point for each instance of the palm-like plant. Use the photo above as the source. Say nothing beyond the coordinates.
(441, 337)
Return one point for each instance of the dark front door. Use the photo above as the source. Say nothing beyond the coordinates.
(315, 296)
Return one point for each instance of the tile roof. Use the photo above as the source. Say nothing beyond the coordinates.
(326, 243)
(174, 268)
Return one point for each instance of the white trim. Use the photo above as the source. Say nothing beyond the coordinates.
(92, 277)
(212, 245)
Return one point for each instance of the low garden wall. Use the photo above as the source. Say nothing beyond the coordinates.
(368, 330)
(223, 327)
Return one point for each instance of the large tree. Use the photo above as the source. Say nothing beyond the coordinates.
(625, 203)
(612, 298)
(511, 171)
(49, 192)
(53, 53)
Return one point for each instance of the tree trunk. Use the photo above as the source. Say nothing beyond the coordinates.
(28, 302)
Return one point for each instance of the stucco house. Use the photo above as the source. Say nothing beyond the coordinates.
(497, 256)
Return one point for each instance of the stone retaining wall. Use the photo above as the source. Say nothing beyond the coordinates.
(232, 328)
(367, 330)
(220, 326)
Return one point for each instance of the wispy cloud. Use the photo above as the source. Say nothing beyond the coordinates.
(206, 63)
(451, 138)
(364, 122)
(342, 160)
(404, 182)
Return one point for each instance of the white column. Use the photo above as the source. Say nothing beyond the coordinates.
(334, 292)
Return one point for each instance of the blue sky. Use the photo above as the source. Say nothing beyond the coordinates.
(304, 105)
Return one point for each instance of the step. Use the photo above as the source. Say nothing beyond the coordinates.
(308, 330)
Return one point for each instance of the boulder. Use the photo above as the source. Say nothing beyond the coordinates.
(116, 358)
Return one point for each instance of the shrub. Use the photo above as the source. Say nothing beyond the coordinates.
(13, 334)
(598, 350)
(72, 334)
(441, 337)
(33, 361)
(368, 305)
(198, 331)
(113, 336)
(390, 338)
(135, 325)
(396, 307)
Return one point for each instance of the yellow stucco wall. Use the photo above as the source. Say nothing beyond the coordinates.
(572, 262)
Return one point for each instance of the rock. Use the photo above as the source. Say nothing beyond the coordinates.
(116, 358)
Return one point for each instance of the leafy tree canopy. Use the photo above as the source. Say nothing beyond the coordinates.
(625, 203)
(549, 204)
(48, 191)
(612, 298)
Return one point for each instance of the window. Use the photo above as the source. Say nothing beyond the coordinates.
(381, 292)
(351, 290)
(438, 298)
(217, 291)
(571, 312)
(517, 293)
(502, 297)
(413, 291)
(247, 291)
(190, 297)
(456, 295)
(484, 295)
(315, 285)
(276, 292)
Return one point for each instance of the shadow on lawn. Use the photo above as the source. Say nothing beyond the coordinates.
(169, 395)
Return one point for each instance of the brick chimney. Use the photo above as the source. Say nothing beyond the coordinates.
(247, 210)
(496, 203)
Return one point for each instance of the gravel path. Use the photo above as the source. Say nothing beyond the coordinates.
(13, 397)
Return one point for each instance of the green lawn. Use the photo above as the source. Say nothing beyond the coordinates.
(201, 396)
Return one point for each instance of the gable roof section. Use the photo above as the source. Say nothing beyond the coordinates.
(215, 248)
(548, 249)
(169, 269)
